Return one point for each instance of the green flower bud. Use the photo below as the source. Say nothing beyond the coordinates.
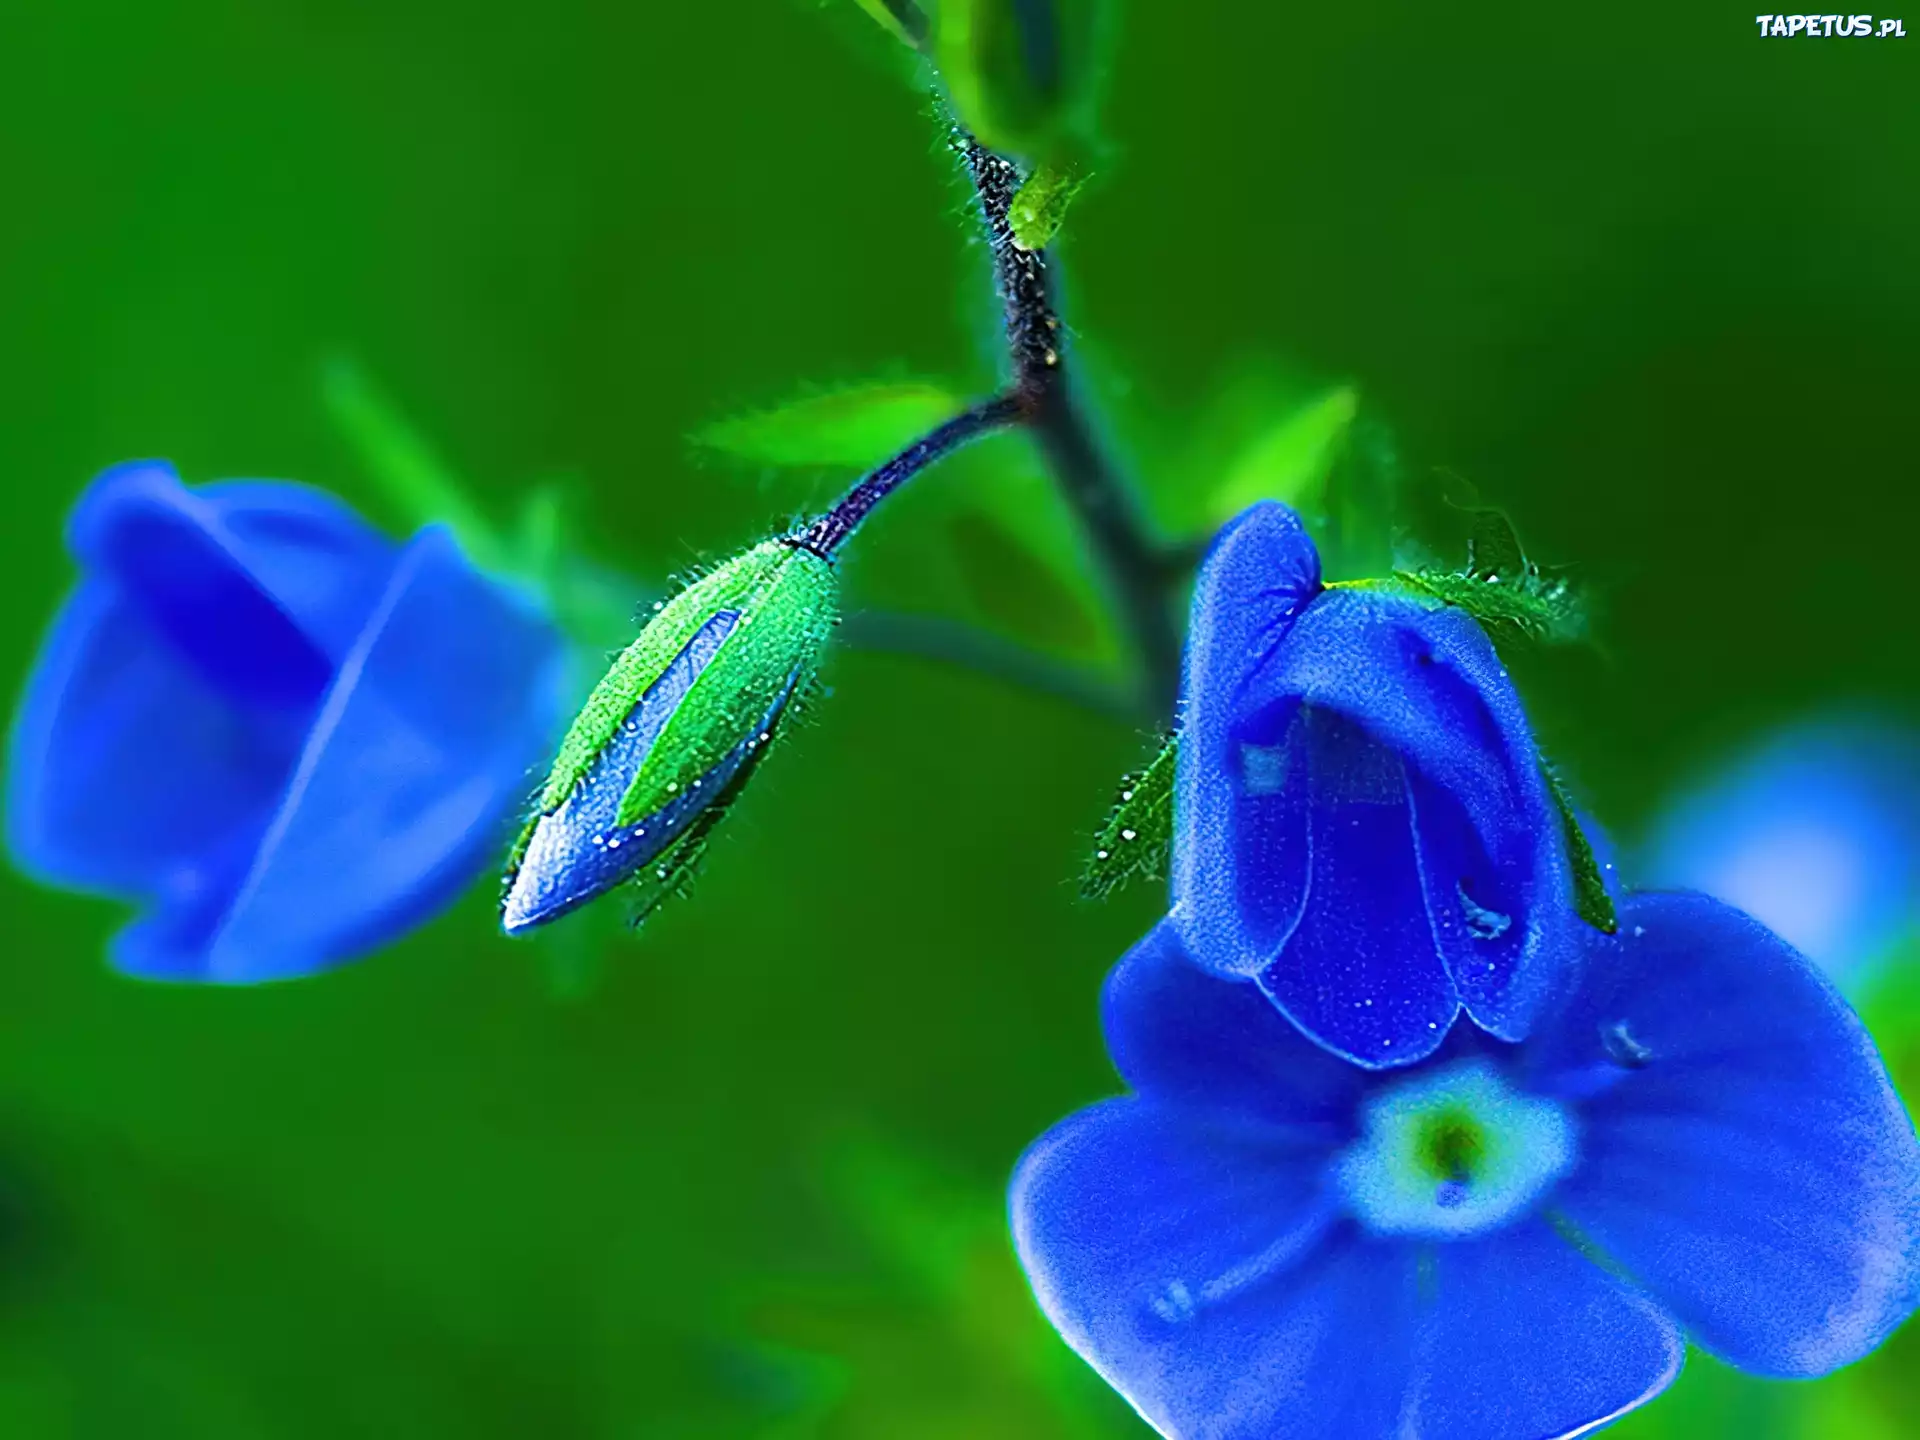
(670, 735)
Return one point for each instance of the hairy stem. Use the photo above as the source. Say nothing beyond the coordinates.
(827, 534)
(1136, 571)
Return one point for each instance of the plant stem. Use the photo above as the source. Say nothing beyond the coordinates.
(828, 533)
(1137, 572)
(934, 637)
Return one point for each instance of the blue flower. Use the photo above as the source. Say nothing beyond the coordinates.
(1815, 832)
(1360, 819)
(285, 738)
(1505, 1242)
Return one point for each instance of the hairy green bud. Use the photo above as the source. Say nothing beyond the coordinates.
(670, 735)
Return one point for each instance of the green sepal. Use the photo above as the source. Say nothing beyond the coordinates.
(855, 426)
(769, 660)
(1137, 840)
(1591, 901)
(1039, 207)
(787, 599)
(1502, 589)
(673, 869)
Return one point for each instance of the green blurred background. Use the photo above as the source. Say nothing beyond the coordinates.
(1650, 281)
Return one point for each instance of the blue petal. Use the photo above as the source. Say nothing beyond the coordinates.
(1427, 683)
(128, 771)
(259, 586)
(1749, 1163)
(1256, 580)
(1359, 972)
(1815, 833)
(1194, 1263)
(1527, 1338)
(579, 852)
(423, 746)
(1492, 886)
(1177, 1033)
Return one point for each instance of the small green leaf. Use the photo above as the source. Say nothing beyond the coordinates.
(1137, 839)
(1040, 206)
(1290, 460)
(405, 466)
(1590, 898)
(902, 19)
(856, 427)
(1270, 434)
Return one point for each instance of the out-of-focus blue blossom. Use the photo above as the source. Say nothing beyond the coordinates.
(1814, 831)
(1360, 823)
(1504, 1243)
(287, 739)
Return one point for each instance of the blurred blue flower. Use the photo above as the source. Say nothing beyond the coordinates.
(1360, 819)
(1815, 832)
(1503, 1243)
(284, 737)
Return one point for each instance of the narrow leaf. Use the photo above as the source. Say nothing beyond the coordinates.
(902, 19)
(1290, 459)
(1138, 837)
(1590, 898)
(856, 427)
(404, 465)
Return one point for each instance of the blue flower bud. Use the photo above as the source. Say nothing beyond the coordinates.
(669, 736)
(1361, 821)
(286, 738)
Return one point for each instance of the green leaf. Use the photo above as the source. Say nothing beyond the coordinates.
(1040, 206)
(902, 19)
(1290, 460)
(1137, 839)
(405, 466)
(1590, 898)
(857, 427)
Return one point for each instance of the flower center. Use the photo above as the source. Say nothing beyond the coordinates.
(1455, 1151)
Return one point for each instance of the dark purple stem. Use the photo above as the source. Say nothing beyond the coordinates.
(1138, 571)
(826, 535)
